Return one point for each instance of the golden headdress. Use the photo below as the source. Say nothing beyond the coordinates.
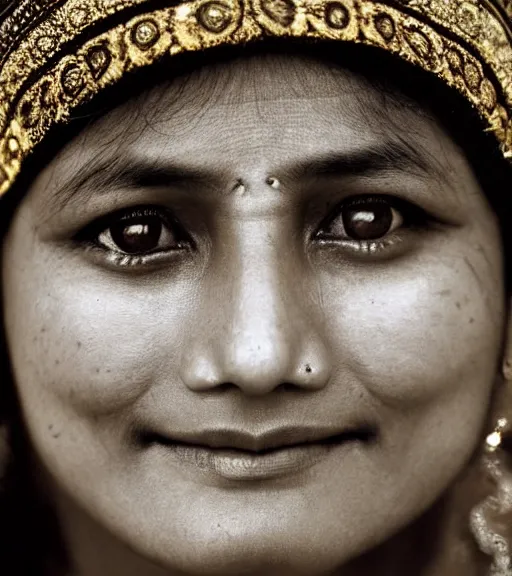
(56, 55)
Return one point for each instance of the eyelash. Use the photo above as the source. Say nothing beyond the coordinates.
(89, 237)
(413, 218)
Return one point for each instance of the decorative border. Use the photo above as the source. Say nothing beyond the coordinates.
(57, 67)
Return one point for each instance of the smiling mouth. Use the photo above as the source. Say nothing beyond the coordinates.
(241, 457)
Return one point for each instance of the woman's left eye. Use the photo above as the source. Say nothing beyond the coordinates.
(363, 220)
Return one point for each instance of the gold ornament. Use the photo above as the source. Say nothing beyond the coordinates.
(494, 440)
(499, 503)
(58, 55)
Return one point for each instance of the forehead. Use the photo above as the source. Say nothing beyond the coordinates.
(266, 102)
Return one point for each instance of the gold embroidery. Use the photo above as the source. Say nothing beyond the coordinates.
(44, 76)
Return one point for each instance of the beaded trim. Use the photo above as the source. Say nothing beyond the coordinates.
(59, 54)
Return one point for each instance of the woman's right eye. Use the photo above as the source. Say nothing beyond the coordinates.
(134, 236)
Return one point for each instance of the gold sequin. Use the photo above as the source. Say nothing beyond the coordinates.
(337, 15)
(214, 16)
(145, 34)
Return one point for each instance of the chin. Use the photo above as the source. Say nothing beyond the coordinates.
(256, 543)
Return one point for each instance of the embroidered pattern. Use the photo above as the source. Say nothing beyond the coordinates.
(55, 55)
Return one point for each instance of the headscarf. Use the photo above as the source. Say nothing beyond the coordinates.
(57, 55)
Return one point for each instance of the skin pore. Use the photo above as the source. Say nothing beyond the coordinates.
(314, 254)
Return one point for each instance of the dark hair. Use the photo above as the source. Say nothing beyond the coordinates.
(28, 533)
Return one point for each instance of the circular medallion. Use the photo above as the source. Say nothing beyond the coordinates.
(214, 16)
(337, 15)
(46, 44)
(145, 34)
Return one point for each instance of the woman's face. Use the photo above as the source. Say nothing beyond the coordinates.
(254, 319)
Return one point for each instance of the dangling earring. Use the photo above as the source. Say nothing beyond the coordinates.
(499, 503)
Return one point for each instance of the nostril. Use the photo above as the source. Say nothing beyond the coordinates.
(223, 387)
(288, 387)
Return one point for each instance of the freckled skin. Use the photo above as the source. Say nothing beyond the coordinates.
(410, 342)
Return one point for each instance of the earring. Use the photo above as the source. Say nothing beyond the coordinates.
(491, 542)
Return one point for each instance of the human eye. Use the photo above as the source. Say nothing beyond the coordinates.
(370, 224)
(136, 237)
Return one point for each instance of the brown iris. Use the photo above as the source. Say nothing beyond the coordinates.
(138, 235)
(368, 220)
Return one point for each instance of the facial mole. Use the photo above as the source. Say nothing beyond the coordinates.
(308, 369)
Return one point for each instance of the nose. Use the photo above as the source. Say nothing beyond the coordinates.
(259, 328)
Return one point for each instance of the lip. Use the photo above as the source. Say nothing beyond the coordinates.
(242, 456)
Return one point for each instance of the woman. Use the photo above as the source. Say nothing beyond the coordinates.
(256, 291)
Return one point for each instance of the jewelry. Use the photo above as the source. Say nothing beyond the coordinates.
(57, 56)
(489, 541)
(274, 183)
(239, 188)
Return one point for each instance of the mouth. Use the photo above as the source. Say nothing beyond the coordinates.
(238, 455)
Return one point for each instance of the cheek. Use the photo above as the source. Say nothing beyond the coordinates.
(416, 331)
(423, 340)
(97, 345)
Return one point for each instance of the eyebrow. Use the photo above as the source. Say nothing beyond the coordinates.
(101, 177)
(388, 157)
(122, 172)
